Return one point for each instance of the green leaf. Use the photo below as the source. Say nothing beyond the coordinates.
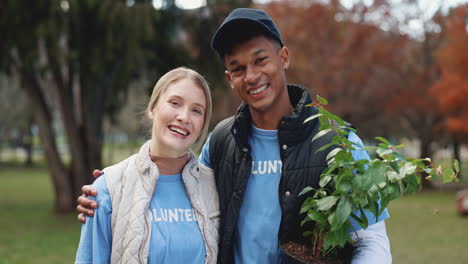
(337, 238)
(396, 191)
(358, 220)
(321, 133)
(448, 176)
(384, 152)
(361, 165)
(324, 180)
(375, 174)
(329, 241)
(362, 200)
(305, 220)
(382, 185)
(398, 156)
(324, 123)
(326, 203)
(343, 211)
(374, 188)
(427, 170)
(394, 166)
(373, 206)
(392, 176)
(343, 132)
(383, 145)
(331, 169)
(407, 169)
(456, 166)
(363, 217)
(383, 204)
(332, 153)
(308, 204)
(325, 147)
(322, 100)
(330, 116)
(316, 216)
(306, 190)
(411, 184)
(383, 140)
(312, 117)
(345, 186)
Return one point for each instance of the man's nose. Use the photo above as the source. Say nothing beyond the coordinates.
(251, 75)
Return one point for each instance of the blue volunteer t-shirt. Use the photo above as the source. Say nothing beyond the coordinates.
(260, 213)
(175, 234)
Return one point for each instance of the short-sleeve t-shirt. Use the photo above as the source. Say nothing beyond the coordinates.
(175, 234)
(256, 237)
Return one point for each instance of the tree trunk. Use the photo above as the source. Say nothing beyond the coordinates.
(75, 134)
(425, 152)
(64, 199)
(457, 154)
(28, 143)
(1, 145)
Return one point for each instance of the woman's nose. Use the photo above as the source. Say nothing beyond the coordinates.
(183, 115)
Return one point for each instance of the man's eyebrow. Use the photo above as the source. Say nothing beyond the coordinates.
(233, 63)
(259, 51)
(255, 53)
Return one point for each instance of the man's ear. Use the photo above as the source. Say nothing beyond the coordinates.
(284, 56)
(228, 76)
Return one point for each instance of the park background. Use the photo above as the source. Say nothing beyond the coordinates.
(75, 76)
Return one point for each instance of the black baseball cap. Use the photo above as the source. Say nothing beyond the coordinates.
(241, 20)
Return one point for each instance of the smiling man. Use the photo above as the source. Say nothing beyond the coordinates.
(263, 156)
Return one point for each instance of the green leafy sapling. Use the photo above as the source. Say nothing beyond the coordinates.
(348, 185)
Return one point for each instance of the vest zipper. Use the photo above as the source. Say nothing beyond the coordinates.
(197, 209)
(147, 224)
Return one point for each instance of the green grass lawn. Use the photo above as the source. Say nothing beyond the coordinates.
(31, 233)
(419, 235)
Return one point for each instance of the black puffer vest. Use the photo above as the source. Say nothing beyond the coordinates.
(302, 166)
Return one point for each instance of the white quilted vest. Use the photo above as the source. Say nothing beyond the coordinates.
(131, 185)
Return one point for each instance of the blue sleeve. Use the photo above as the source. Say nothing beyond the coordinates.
(96, 234)
(205, 153)
(359, 154)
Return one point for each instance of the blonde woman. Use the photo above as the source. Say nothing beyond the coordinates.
(159, 205)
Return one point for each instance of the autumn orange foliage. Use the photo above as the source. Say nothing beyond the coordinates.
(452, 89)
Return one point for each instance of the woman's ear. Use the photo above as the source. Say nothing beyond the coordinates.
(150, 114)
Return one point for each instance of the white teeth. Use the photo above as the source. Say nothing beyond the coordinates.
(178, 130)
(259, 90)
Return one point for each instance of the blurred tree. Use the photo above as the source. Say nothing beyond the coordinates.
(15, 124)
(335, 52)
(452, 89)
(379, 80)
(77, 58)
(412, 101)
